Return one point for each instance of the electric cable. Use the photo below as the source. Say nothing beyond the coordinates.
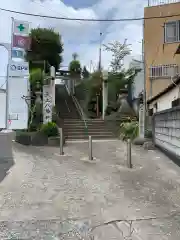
(90, 19)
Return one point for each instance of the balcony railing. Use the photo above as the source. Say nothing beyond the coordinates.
(164, 71)
(161, 2)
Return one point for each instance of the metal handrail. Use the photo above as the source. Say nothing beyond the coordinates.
(80, 110)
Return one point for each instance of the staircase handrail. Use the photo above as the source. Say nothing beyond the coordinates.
(80, 110)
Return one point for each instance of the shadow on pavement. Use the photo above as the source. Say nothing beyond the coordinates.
(6, 155)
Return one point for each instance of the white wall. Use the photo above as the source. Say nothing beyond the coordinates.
(138, 84)
(2, 109)
(165, 102)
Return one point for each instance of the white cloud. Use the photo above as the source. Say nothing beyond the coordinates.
(78, 36)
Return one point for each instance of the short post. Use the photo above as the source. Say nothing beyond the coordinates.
(61, 141)
(129, 162)
(90, 148)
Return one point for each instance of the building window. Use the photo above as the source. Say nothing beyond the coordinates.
(164, 71)
(172, 32)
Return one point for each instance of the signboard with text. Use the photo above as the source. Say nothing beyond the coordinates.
(47, 104)
(23, 42)
(18, 69)
(18, 108)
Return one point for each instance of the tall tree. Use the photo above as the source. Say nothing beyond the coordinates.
(119, 52)
(75, 66)
(85, 72)
(46, 45)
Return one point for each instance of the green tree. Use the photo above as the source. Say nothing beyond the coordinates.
(85, 73)
(75, 66)
(119, 52)
(46, 46)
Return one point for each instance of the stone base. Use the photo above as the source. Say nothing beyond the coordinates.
(149, 145)
(139, 141)
(86, 159)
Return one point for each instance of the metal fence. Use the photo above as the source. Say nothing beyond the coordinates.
(161, 2)
(164, 71)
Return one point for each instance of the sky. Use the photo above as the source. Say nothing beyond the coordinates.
(77, 36)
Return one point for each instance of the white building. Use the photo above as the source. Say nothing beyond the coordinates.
(138, 84)
(168, 98)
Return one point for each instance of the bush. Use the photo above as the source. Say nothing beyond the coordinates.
(50, 129)
(129, 130)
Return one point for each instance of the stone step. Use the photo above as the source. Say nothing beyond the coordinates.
(74, 122)
(90, 128)
(84, 137)
(75, 133)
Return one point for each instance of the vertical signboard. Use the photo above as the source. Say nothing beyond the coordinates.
(20, 38)
(18, 82)
(47, 104)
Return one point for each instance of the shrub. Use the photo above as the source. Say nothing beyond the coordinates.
(129, 130)
(50, 129)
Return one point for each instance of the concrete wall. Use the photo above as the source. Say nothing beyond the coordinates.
(156, 51)
(165, 101)
(166, 131)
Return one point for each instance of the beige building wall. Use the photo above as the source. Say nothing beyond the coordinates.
(156, 51)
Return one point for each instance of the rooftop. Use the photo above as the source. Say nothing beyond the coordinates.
(173, 85)
(161, 2)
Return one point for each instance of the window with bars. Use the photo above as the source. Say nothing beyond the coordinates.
(172, 32)
(164, 71)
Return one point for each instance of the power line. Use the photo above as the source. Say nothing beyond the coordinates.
(90, 19)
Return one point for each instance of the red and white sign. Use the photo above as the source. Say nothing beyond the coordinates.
(21, 42)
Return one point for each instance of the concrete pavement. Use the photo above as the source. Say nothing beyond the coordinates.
(47, 196)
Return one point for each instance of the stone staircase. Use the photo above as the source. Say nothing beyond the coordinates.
(74, 128)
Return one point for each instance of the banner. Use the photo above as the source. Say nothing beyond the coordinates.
(21, 42)
(21, 28)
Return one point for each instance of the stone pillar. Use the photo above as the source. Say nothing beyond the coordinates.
(47, 104)
(105, 91)
(53, 75)
(105, 98)
(141, 121)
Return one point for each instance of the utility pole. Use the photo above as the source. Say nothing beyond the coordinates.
(100, 46)
(99, 69)
(144, 87)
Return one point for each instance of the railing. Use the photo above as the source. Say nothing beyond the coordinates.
(161, 2)
(79, 108)
(164, 71)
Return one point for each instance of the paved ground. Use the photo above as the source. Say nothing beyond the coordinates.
(46, 196)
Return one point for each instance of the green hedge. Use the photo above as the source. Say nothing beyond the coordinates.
(50, 129)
